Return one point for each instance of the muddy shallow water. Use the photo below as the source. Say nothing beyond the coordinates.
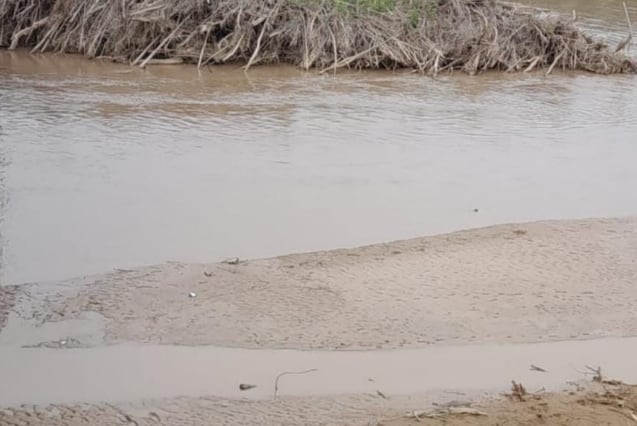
(145, 372)
(106, 166)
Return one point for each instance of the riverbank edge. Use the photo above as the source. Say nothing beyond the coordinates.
(559, 280)
(325, 35)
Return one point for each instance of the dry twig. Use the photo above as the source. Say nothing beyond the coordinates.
(468, 35)
(625, 44)
(518, 391)
(276, 381)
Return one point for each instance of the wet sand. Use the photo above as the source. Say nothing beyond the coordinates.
(533, 282)
(429, 320)
(101, 349)
(590, 405)
(586, 404)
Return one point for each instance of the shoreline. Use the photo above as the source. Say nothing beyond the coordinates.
(323, 35)
(126, 372)
(508, 295)
(515, 283)
(586, 403)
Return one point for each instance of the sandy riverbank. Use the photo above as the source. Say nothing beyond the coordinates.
(588, 404)
(531, 282)
(510, 283)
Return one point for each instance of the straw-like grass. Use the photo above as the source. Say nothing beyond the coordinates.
(429, 36)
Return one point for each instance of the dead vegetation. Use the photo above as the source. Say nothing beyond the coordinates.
(590, 406)
(430, 36)
(518, 391)
(444, 411)
(7, 300)
(600, 401)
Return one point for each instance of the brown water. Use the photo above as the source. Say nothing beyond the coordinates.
(605, 19)
(107, 166)
(125, 373)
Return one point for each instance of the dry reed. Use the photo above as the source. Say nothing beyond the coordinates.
(429, 36)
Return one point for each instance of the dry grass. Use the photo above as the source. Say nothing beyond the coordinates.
(589, 405)
(429, 36)
(7, 300)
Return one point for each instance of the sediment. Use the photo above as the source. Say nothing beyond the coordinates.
(544, 281)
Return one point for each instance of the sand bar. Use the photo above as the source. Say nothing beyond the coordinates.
(544, 281)
(420, 321)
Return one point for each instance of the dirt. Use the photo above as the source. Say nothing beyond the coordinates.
(531, 282)
(594, 405)
(589, 404)
(509, 283)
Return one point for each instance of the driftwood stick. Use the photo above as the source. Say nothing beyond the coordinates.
(557, 58)
(162, 44)
(276, 381)
(203, 47)
(15, 39)
(141, 55)
(625, 44)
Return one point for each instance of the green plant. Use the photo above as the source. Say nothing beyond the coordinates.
(365, 5)
(431, 9)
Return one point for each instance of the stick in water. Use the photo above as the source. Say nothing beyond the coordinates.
(276, 382)
(626, 43)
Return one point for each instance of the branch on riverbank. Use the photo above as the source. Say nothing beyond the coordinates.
(429, 36)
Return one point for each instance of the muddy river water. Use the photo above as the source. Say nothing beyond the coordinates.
(140, 372)
(106, 166)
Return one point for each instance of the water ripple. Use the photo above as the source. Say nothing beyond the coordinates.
(108, 166)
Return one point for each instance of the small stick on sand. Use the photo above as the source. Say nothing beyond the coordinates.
(431, 414)
(518, 391)
(598, 377)
(597, 373)
(276, 381)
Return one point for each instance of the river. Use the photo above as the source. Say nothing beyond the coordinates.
(106, 166)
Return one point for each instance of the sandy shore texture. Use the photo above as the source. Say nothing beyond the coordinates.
(589, 404)
(509, 283)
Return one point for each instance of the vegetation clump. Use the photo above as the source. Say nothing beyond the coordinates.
(430, 36)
